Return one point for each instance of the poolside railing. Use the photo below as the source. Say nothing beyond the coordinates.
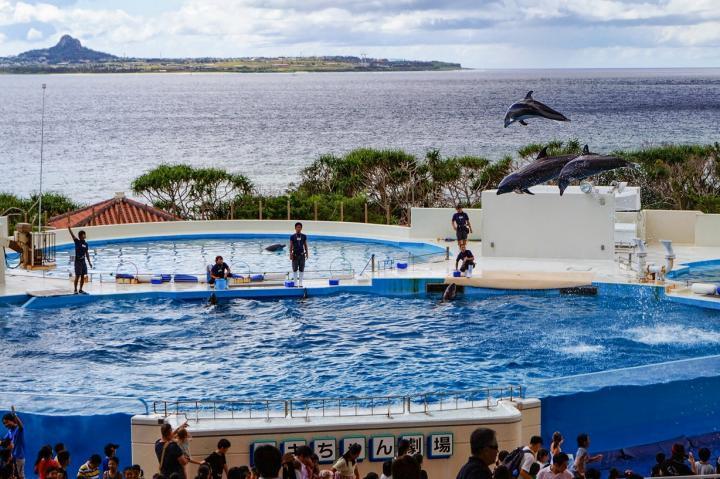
(388, 406)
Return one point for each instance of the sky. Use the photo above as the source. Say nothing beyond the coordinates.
(476, 33)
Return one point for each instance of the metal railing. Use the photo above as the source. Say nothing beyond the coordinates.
(43, 248)
(388, 406)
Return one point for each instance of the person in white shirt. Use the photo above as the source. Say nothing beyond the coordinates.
(529, 457)
(558, 469)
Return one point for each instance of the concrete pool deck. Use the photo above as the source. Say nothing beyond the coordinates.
(21, 286)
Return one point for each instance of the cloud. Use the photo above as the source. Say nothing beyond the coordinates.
(474, 32)
(34, 35)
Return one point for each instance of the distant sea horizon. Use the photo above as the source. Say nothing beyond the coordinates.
(103, 130)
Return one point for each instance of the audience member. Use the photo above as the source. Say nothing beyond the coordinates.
(703, 466)
(290, 467)
(583, 457)
(386, 470)
(63, 459)
(109, 450)
(529, 454)
(501, 472)
(203, 472)
(91, 468)
(346, 466)
(44, 461)
(217, 460)
(419, 459)
(403, 447)
(304, 455)
(677, 465)
(169, 455)
(113, 466)
(405, 467)
(268, 461)
(556, 444)
(558, 469)
(543, 457)
(7, 465)
(371, 475)
(15, 440)
(484, 450)
(656, 469)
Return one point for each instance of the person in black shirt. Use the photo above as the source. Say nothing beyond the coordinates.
(171, 457)
(468, 261)
(220, 270)
(298, 252)
(217, 460)
(461, 224)
(676, 465)
(484, 450)
(81, 252)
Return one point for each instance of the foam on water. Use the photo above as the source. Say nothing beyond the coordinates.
(673, 335)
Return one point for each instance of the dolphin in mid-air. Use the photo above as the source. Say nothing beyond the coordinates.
(529, 108)
(275, 247)
(544, 168)
(450, 293)
(588, 165)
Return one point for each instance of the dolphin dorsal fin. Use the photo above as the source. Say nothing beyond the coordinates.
(586, 150)
(542, 154)
(529, 95)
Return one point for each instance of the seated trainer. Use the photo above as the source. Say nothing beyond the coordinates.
(220, 270)
(468, 261)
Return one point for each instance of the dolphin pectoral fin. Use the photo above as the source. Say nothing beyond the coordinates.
(525, 190)
(529, 95)
(586, 150)
(542, 154)
(523, 122)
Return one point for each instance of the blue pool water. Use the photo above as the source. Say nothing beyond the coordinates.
(191, 256)
(343, 345)
(707, 273)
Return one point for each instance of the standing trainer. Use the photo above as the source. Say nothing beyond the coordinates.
(81, 253)
(461, 224)
(298, 253)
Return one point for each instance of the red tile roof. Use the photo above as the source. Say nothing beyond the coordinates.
(117, 211)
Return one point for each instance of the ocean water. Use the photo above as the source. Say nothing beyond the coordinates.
(336, 346)
(102, 131)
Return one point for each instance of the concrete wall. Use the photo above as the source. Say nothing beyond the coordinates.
(707, 230)
(435, 223)
(677, 226)
(547, 225)
(327, 228)
(512, 429)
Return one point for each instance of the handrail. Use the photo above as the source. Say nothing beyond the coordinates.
(352, 406)
(79, 396)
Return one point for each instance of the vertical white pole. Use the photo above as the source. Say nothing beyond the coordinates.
(42, 142)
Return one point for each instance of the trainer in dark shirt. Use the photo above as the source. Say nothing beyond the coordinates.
(461, 224)
(298, 253)
(220, 270)
(466, 257)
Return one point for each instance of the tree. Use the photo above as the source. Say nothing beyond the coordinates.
(191, 193)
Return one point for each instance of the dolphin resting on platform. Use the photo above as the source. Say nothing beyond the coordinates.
(450, 293)
(275, 247)
(586, 165)
(543, 169)
(528, 108)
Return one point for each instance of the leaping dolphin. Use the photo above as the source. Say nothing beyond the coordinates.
(544, 168)
(275, 247)
(588, 165)
(450, 293)
(529, 108)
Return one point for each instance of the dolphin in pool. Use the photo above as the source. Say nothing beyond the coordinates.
(450, 293)
(544, 168)
(588, 165)
(529, 108)
(275, 247)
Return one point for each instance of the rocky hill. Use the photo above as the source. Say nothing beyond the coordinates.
(67, 50)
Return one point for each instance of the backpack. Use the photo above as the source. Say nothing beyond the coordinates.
(514, 460)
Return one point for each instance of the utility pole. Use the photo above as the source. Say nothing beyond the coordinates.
(42, 142)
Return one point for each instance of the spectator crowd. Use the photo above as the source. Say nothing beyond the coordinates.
(174, 456)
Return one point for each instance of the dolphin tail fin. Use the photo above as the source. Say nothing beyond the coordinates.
(529, 95)
(542, 154)
(523, 122)
(527, 191)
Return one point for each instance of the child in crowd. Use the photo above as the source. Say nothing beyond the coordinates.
(703, 466)
(112, 471)
(556, 444)
(110, 450)
(91, 468)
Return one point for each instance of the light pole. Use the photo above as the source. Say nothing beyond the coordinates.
(42, 141)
